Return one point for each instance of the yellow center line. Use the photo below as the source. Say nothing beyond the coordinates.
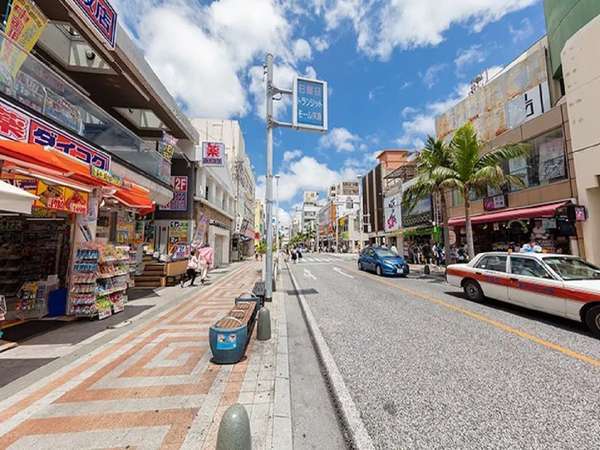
(501, 326)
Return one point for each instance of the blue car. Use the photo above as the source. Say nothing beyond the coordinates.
(382, 261)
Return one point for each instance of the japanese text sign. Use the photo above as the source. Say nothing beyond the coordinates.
(106, 176)
(17, 125)
(213, 153)
(166, 146)
(55, 197)
(179, 202)
(309, 104)
(102, 16)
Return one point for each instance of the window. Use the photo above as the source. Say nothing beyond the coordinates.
(528, 267)
(492, 262)
(545, 162)
(573, 268)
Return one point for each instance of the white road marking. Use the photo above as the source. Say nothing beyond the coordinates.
(341, 272)
(309, 274)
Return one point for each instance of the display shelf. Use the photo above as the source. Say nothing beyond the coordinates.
(111, 291)
(104, 276)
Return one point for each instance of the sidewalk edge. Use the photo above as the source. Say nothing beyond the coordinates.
(351, 419)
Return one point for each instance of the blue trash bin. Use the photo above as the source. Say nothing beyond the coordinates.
(228, 345)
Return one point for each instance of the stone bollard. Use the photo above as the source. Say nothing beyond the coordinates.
(426, 269)
(263, 332)
(234, 430)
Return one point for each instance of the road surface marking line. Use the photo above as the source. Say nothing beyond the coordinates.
(350, 416)
(341, 272)
(507, 328)
(309, 274)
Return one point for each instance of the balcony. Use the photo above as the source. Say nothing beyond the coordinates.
(33, 84)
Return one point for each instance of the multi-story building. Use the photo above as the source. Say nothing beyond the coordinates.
(573, 36)
(522, 104)
(229, 133)
(259, 221)
(75, 84)
(372, 189)
(310, 210)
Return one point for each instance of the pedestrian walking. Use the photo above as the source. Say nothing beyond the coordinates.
(206, 256)
(299, 255)
(294, 256)
(192, 267)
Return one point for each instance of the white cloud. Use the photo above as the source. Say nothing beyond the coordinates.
(289, 155)
(302, 50)
(310, 72)
(340, 139)
(522, 32)
(383, 25)
(430, 78)
(320, 43)
(465, 57)
(408, 110)
(203, 53)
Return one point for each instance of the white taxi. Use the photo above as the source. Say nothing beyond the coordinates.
(562, 285)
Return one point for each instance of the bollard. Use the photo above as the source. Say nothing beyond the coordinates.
(263, 332)
(426, 269)
(234, 430)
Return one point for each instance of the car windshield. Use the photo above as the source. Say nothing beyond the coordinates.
(383, 252)
(573, 268)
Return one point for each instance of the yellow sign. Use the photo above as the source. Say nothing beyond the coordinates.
(61, 198)
(106, 176)
(25, 25)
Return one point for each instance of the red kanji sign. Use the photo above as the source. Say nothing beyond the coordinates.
(13, 124)
(213, 153)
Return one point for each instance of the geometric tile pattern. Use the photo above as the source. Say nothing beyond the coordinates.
(152, 387)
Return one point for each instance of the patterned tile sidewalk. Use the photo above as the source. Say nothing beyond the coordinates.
(154, 386)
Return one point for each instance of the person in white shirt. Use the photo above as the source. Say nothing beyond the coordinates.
(192, 268)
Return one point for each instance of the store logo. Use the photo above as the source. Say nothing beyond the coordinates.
(46, 135)
(103, 16)
(13, 124)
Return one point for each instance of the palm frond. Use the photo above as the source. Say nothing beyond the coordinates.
(502, 154)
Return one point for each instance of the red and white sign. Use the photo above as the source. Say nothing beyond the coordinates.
(102, 16)
(213, 154)
(179, 202)
(18, 125)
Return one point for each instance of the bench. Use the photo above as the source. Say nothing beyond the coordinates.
(229, 336)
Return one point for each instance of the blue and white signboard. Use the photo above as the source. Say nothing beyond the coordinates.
(309, 109)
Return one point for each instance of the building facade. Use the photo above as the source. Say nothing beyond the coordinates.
(520, 106)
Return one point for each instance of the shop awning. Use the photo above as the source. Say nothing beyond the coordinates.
(511, 214)
(15, 200)
(49, 160)
(135, 196)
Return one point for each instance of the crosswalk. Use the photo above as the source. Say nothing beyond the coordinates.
(320, 259)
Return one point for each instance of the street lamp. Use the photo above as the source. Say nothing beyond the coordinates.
(277, 214)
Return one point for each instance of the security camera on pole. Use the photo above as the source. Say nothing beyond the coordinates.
(309, 113)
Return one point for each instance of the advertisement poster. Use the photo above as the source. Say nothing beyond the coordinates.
(61, 198)
(178, 233)
(25, 25)
(62, 111)
(125, 227)
(392, 213)
(213, 154)
(166, 146)
(179, 202)
(552, 160)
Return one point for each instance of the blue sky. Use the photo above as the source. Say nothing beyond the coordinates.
(391, 65)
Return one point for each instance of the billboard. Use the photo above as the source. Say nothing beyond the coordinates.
(103, 18)
(392, 210)
(179, 202)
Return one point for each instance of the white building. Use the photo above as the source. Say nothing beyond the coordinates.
(310, 211)
(243, 183)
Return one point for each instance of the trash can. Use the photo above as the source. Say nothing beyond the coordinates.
(228, 345)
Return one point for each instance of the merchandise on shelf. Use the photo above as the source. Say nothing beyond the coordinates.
(82, 294)
(33, 300)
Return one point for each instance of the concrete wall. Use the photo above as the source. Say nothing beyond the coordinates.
(581, 69)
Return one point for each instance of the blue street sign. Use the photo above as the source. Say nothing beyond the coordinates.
(309, 104)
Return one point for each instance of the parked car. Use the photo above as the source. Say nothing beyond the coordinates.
(382, 261)
(561, 285)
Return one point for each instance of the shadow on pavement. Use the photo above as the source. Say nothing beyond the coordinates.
(548, 319)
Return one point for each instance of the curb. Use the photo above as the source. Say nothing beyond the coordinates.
(350, 416)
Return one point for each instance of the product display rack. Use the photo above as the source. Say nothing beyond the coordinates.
(113, 277)
(83, 286)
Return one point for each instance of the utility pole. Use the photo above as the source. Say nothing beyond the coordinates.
(360, 214)
(269, 182)
(277, 215)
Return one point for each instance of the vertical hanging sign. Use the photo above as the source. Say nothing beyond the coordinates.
(309, 109)
(102, 16)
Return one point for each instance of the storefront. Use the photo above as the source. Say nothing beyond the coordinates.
(56, 260)
(551, 226)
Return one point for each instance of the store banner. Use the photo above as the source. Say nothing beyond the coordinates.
(56, 197)
(179, 202)
(106, 176)
(25, 25)
(18, 125)
(166, 146)
(213, 154)
(178, 233)
(103, 18)
(392, 213)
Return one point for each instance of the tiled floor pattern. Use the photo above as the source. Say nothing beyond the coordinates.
(153, 387)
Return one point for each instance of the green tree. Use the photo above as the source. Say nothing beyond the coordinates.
(473, 170)
(429, 180)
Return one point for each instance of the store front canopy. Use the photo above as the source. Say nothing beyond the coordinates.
(15, 200)
(512, 214)
(135, 196)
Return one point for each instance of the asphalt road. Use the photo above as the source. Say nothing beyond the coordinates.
(428, 368)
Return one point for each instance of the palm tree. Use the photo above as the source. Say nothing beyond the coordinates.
(429, 181)
(472, 170)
